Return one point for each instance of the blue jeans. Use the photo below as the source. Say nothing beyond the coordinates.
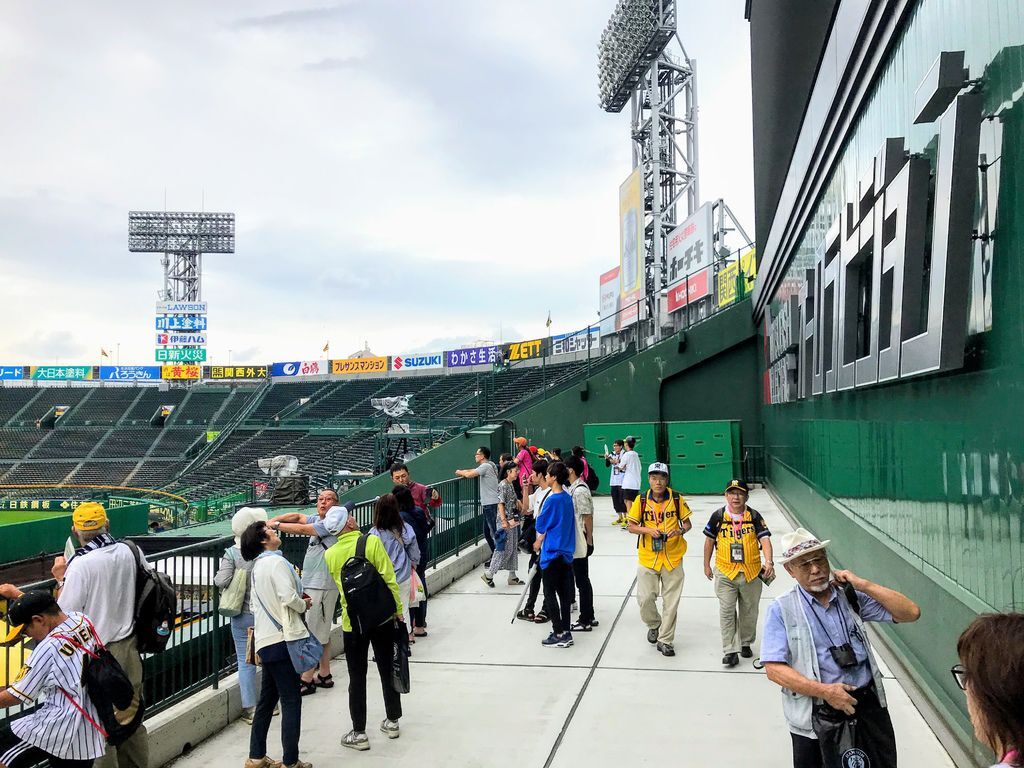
(246, 672)
(490, 523)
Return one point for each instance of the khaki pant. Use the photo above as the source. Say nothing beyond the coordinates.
(669, 584)
(134, 753)
(737, 596)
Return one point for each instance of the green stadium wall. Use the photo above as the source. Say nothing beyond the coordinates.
(46, 536)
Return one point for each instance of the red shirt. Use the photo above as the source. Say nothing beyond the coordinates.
(419, 496)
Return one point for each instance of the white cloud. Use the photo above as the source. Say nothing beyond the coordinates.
(404, 174)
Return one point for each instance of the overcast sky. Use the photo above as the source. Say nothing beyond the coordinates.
(417, 175)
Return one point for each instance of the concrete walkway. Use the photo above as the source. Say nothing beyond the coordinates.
(485, 693)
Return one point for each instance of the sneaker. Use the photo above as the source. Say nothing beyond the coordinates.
(515, 581)
(356, 740)
(553, 640)
(595, 623)
(263, 762)
(390, 728)
(666, 649)
(746, 653)
(617, 521)
(652, 635)
(580, 627)
(248, 713)
(731, 659)
(487, 580)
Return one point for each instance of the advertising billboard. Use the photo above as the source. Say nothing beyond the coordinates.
(301, 368)
(62, 372)
(401, 362)
(186, 339)
(235, 371)
(176, 372)
(188, 355)
(695, 286)
(631, 246)
(566, 343)
(728, 279)
(8, 372)
(181, 307)
(608, 301)
(690, 245)
(181, 323)
(359, 365)
(130, 372)
(523, 350)
(457, 358)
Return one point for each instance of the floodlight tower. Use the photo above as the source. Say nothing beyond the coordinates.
(641, 61)
(182, 238)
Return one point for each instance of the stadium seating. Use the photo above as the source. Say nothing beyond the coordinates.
(174, 442)
(106, 405)
(16, 443)
(13, 400)
(49, 397)
(127, 443)
(152, 399)
(69, 442)
(102, 473)
(199, 407)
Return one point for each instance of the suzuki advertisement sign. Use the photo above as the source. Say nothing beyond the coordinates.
(402, 362)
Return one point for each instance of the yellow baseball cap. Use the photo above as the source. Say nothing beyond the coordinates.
(89, 516)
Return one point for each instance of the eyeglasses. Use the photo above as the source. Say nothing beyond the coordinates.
(960, 675)
(820, 562)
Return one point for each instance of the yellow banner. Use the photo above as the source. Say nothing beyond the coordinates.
(631, 237)
(728, 278)
(359, 365)
(181, 371)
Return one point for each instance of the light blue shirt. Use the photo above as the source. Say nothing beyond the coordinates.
(314, 567)
(836, 626)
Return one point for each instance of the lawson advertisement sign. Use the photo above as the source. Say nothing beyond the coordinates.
(130, 372)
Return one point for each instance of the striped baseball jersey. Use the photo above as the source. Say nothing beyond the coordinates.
(55, 725)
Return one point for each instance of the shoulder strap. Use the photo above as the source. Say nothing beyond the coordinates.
(361, 546)
(85, 714)
(851, 598)
(135, 551)
(263, 605)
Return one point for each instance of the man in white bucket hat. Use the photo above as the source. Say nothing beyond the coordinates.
(816, 647)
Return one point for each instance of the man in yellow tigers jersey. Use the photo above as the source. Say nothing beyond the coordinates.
(659, 518)
(738, 534)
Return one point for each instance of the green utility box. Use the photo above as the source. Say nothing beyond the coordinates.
(597, 436)
(703, 456)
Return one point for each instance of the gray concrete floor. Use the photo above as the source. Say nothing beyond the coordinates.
(485, 693)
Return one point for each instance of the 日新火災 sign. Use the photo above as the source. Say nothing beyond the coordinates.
(181, 307)
(184, 339)
(181, 323)
(188, 355)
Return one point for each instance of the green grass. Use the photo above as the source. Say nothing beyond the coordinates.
(11, 517)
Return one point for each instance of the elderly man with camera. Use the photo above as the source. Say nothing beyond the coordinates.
(816, 647)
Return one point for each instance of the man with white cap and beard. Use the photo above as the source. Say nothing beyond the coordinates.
(816, 647)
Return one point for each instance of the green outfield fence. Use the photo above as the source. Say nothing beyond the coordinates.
(200, 652)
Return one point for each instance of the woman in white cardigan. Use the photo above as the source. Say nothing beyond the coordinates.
(277, 605)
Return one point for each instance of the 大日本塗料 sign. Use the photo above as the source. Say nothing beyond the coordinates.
(62, 372)
(359, 365)
(188, 355)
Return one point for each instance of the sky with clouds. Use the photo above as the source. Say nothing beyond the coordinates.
(415, 175)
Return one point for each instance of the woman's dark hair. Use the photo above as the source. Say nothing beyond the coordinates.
(403, 497)
(540, 466)
(508, 465)
(577, 450)
(992, 652)
(252, 538)
(575, 463)
(386, 516)
(505, 457)
(559, 471)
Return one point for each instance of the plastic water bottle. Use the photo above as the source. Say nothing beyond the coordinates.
(163, 630)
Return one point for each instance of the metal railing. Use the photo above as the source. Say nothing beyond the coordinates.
(201, 651)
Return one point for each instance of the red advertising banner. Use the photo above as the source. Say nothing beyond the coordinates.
(697, 286)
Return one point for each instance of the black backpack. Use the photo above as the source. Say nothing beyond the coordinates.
(110, 691)
(592, 480)
(156, 606)
(367, 598)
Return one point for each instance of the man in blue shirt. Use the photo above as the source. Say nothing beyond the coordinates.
(556, 542)
(816, 646)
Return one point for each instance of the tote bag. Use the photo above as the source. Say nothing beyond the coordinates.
(233, 597)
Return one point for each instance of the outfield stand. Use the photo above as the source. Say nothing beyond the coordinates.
(13, 400)
(102, 473)
(174, 442)
(127, 442)
(106, 405)
(199, 407)
(152, 399)
(69, 442)
(280, 396)
(15, 443)
(238, 400)
(49, 397)
(40, 472)
(154, 474)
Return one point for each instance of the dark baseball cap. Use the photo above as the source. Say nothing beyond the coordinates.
(21, 610)
(737, 485)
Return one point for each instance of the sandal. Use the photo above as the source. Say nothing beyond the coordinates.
(420, 631)
(541, 618)
(323, 681)
(526, 615)
(305, 689)
(516, 582)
